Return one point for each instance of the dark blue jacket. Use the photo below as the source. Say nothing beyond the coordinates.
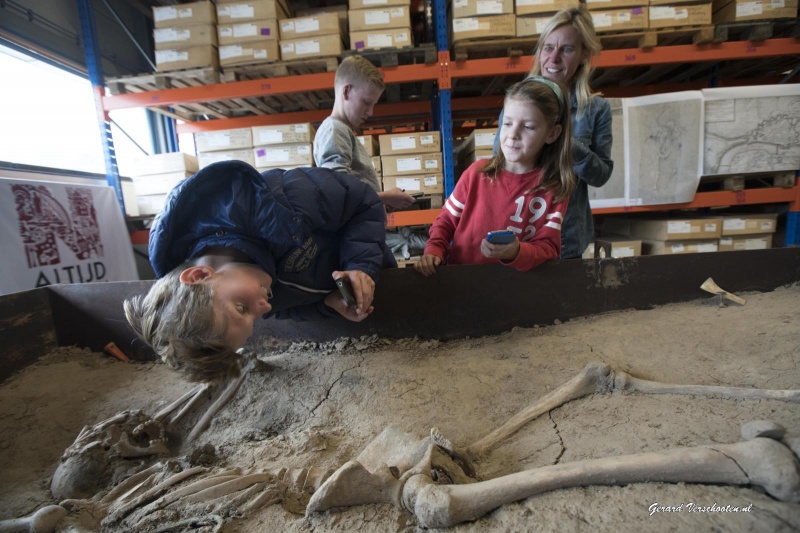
(298, 225)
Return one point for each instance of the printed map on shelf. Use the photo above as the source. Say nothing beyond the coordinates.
(752, 129)
(663, 147)
(612, 194)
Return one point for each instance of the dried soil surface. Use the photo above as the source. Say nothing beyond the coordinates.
(314, 404)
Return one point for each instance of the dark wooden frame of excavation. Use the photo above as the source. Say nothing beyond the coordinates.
(459, 301)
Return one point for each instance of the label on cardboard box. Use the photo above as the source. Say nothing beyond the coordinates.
(490, 7)
(171, 56)
(678, 226)
(307, 47)
(404, 143)
(729, 224)
(218, 140)
(460, 4)
(426, 139)
(601, 20)
(624, 16)
(383, 40)
(431, 181)
(484, 139)
(408, 184)
(662, 12)
(431, 163)
(706, 247)
(230, 50)
(372, 18)
(409, 164)
(778, 4)
(168, 35)
(748, 9)
(466, 24)
(306, 25)
(710, 228)
(237, 11)
(533, 2)
(270, 137)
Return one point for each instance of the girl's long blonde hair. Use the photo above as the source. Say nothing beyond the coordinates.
(579, 18)
(555, 159)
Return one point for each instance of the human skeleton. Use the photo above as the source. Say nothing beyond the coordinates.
(429, 477)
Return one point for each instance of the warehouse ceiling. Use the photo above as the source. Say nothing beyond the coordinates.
(52, 29)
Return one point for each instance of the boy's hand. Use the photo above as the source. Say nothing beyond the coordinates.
(506, 252)
(363, 292)
(427, 264)
(396, 198)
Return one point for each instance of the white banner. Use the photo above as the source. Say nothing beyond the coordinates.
(61, 233)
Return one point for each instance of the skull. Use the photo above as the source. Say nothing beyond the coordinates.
(104, 451)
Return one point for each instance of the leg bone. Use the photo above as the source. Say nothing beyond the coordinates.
(44, 520)
(760, 461)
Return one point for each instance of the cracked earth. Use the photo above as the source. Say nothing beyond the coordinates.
(319, 404)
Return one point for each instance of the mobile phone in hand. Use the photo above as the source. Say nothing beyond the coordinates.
(346, 290)
(503, 236)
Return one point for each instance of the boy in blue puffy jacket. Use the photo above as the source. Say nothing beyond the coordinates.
(233, 245)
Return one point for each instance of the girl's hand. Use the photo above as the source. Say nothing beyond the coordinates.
(506, 252)
(336, 301)
(427, 264)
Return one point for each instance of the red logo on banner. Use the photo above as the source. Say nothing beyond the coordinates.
(42, 220)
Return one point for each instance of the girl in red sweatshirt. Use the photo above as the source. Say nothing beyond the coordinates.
(524, 188)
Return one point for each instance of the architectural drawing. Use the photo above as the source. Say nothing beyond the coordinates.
(752, 129)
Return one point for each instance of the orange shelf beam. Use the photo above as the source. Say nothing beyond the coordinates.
(412, 218)
(772, 195)
(463, 69)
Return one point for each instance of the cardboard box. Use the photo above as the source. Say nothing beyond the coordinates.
(151, 204)
(679, 15)
(376, 164)
(279, 155)
(370, 144)
(745, 242)
(193, 14)
(479, 8)
(424, 183)
(480, 138)
(749, 224)
(604, 5)
(212, 141)
(672, 229)
(410, 143)
(283, 134)
(532, 7)
(742, 10)
(652, 247)
(313, 26)
(610, 246)
(158, 183)
(379, 19)
(391, 38)
(228, 13)
(165, 164)
(484, 27)
(248, 32)
(372, 4)
(248, 53)
(192, 57)
(323, 46)
(178, 37)
(411, 164)
(626, 19)
(531, 26)
(246, 155)
(475, 155)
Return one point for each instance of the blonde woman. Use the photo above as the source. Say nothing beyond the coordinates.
(564, 54)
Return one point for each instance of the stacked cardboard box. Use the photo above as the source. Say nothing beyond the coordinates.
(743, 10)
(533, 15)
(662, 236)
(248, 31)
(372, 148)
(156, 175)
(379, 24)
(678, 13)
(747, 232)
(312, 36)
(285, 146)
(413, 162)
(224, 145)
(185, 36)
(618, 15)
(482, 19)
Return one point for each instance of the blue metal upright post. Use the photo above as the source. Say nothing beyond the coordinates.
(792, 237)
(442, 112)
(94, 65)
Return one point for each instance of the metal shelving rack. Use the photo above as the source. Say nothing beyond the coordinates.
(439, 112)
